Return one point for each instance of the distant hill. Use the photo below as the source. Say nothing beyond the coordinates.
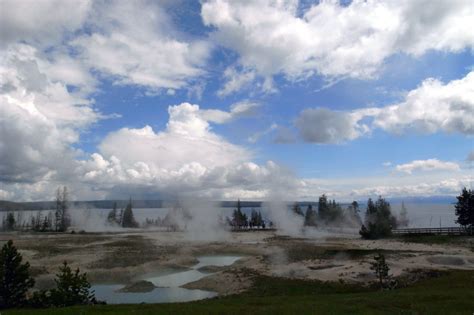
(424, 200)
(91, 204)
(108, 204)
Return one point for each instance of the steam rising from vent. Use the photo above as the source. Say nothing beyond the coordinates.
(206, 222)
(282, 187)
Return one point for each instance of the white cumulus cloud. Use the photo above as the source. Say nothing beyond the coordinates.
(427, 165)
(39, 118)
(334, 40)
(136, 43)
(431, 107)
(40, 22)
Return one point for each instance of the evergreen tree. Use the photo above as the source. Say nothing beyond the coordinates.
(335, 212)
(46, 225)
(37, 223)
(239, 219)
(403, 218)
(323, 208)
(239, 205)
(297, 209)
(72, 288)
(310, 216)
(260, 219)
(353, 217)
(254, 220)
(15, 279)
(9, 223)
(371, 211)
(128, 219)
(381, 269)
(464, 208)
(120, 218)
(112, 216)
(355, 206)
(379, 220)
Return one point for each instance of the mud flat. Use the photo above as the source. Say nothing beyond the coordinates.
(118, 260)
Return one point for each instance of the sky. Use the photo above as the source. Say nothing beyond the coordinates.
(227, 99)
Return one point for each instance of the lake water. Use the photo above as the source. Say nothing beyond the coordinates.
(420, 215)
(168, 284)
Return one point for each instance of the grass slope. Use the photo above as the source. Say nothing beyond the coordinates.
(449, 294)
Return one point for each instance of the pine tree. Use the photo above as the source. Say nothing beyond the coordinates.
(253, 219)
(259, 219)
(72, 288)
(323, 208)
(464, 208)
(112, 216)
(353, 217)
(239, 219)
(381, 269)
(335, 212)
(403, 218)
(355, 206)
(379, 220)
(45, 226)
(15, 279)
(310, 216)
(10, 223)
(370, 212)
(128, 219)
(297, 209)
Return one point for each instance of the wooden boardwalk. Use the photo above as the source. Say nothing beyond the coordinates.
(434, 231)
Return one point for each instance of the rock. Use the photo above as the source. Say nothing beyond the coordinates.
(211, 269)
(140, 286)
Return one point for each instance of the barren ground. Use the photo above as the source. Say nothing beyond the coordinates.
(122, 258)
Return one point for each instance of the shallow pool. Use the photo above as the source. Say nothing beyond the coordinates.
(169, 285)
(110, 294)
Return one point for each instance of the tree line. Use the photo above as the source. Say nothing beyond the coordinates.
(239, 219)
(59, 221)
(329, 213)
(125, 218)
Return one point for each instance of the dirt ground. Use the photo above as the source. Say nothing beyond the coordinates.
(122, 258)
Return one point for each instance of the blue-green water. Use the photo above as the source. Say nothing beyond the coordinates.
(169, 285)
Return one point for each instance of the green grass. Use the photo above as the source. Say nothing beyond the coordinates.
(452, 293)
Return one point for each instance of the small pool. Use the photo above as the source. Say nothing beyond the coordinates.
(169, 285)
(108, 293)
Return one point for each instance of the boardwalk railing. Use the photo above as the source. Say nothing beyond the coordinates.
(434, 231)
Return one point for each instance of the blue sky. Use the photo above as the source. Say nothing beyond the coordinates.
(369, 98)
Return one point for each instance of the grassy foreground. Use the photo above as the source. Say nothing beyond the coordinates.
(449, 294)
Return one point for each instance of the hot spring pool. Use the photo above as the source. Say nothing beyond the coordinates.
(168, 284)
